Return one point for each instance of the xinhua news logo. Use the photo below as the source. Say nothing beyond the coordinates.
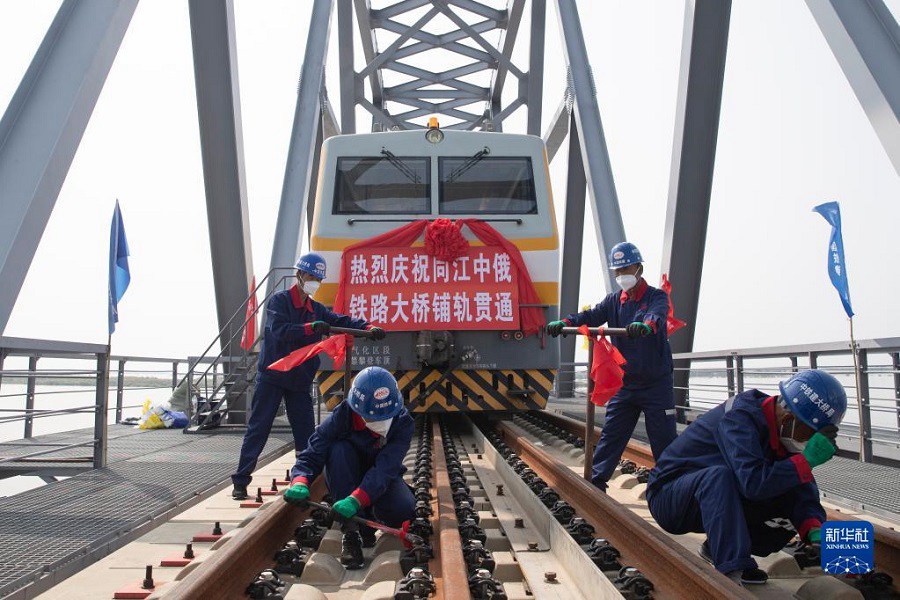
(848, 547)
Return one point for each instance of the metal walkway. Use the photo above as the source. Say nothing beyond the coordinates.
(50, 532)
(862, 486)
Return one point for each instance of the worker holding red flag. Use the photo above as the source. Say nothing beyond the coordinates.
(647, 382)
(293, 320)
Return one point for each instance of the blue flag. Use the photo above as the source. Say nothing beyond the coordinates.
(837, 267)
(119, 276)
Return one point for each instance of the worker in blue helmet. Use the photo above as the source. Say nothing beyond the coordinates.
(361, 447)
(293, 320)
(748, 462)
(647, 385)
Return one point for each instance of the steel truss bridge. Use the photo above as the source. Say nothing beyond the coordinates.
(398, 86)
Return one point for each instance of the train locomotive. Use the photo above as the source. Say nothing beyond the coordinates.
(454, 334)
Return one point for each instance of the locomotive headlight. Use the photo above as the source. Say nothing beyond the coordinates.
(434, 133)
(435, 136)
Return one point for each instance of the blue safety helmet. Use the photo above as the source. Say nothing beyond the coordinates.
(815, 397)
(374, 395)
(312, 264)
(624, 254)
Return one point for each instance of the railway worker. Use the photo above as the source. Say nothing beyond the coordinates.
(746, 462)
(293, 320)
(647, 385)
(361, 447)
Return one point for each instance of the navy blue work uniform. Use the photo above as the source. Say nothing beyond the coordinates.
(647, 385)
(360, 463)
(288, 327)
(728, 474)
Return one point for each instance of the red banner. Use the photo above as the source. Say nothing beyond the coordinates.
(406, 289)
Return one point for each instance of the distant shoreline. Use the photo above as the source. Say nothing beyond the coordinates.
(130, 381)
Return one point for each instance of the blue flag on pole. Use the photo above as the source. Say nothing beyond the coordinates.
(837, 268)
(119, 276)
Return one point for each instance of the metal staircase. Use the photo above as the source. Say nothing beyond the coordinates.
(223, 383)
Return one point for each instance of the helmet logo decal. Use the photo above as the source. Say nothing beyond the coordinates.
(820, 402)
(320, 266)
(382, 393)
(619, 255)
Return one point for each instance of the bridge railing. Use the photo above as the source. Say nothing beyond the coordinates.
(67, 381)
(873, 411)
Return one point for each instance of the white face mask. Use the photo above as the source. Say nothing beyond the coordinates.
(792, 445)
(626, 282)
(310, 287)
(380, 427)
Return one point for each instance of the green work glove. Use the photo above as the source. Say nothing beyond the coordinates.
(814, 536)
(638, 329)
(297, 493)
(555, 328)
(346, 508)
(819, 450)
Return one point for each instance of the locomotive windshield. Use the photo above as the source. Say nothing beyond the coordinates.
(486, 184)
(386, 185)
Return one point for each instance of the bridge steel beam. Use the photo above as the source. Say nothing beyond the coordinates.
(598, 170)
(573, 238)
(535, 90)
(43, 126)
(350, 90)
(865, 39)
(222, 150)
(703, 53)
(297, 173)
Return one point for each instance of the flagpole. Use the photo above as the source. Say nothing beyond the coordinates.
(588, 415)
(859, 399)
(101, 409)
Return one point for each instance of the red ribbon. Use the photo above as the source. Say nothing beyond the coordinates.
(606, 369)
(335, 346)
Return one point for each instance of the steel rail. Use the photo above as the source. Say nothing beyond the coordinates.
(227, 572)
(676, 571)
(448, 567)
(887, 540)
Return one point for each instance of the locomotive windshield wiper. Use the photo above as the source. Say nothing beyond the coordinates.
(401, 166)
(471, 162)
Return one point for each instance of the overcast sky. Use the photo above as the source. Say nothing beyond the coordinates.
(792, 135)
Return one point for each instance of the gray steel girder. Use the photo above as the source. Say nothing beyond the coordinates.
(865, 39)
(573, 237)
(43, 125)
(222, 149)
(298, 174)
(598, 170)
(704, 46)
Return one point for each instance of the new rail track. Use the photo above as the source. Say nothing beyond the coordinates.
(505, 514)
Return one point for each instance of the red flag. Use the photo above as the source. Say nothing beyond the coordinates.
(672, 324)
(335, 346)
(249, 336)
(606, 369)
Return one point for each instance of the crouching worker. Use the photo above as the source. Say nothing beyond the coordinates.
(746, 462)
(361, 446)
